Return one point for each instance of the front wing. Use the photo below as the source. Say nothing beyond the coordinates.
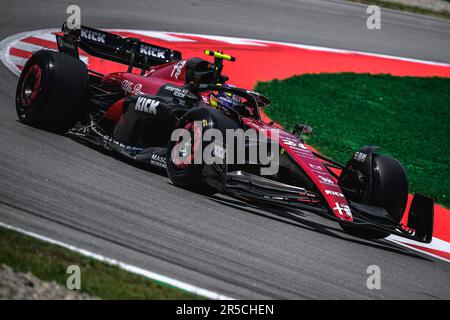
(254, 187)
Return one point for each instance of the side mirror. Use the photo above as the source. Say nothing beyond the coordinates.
(300, 129)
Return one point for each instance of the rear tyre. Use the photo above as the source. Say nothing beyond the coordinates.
(52, 90)
(389, 190)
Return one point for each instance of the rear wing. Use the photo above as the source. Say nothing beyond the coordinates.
(129, 51)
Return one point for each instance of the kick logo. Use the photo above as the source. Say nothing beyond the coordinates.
(153, 52)
(146, 105)
(334, 193)
(93, 35)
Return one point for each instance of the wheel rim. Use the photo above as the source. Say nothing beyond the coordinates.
(181, 160)
(30, 88)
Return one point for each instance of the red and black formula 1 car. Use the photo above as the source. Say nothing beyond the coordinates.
(136, 114)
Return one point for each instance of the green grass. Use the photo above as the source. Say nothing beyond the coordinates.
(49, 263)
(408, 117)
(409, 8)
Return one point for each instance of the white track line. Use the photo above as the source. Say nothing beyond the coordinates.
(435, 244)
(27, 46)
(158, 35)
(235, 41)
(49, 36)
(317, 48)
(18, 61)
(11, 41)
(400, 242)
(122, 265)
(46, 34)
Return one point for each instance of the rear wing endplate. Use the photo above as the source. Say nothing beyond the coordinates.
(129, 51)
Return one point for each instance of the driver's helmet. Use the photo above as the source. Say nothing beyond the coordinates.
(224, 99)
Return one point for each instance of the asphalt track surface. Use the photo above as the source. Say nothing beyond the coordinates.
(62, 189)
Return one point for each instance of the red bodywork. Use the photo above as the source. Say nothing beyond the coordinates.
(170, 73)
(174, 73)
(312, 166)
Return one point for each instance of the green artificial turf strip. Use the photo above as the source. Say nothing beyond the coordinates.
(49, 263)
(408, 117)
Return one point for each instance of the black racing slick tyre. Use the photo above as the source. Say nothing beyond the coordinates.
(182, 168)
(180, 159)
(389, 191)
(52, 90)
(187, 174)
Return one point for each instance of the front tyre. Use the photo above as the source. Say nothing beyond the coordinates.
(182, 170)
(52, 90)
(389, 190)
